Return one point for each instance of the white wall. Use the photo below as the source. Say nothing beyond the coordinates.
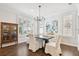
(71, 40)
(11, 16)
(7, 16)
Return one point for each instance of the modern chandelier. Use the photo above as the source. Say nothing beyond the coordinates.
(39, 17)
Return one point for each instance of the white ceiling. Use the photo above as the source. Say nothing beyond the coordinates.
(47, 9)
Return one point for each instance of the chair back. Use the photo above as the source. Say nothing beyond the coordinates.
(56, 40)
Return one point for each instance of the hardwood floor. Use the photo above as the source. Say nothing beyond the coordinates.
(69, 50)
(22, 50)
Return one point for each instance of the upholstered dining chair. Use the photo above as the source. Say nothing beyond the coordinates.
(34, 44)
(53, 46)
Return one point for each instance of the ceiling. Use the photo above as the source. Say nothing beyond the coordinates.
(47, 9)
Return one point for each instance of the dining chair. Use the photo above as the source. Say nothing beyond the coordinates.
(34, 44)
(53, 46)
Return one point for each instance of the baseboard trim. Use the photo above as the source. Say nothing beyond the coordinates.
(8, 44)
(69, 44)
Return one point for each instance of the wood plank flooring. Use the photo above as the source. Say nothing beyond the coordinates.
(22, 50)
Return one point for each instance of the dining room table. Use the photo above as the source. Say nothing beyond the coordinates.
(44, 38)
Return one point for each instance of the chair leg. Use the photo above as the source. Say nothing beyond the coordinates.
(60, 54)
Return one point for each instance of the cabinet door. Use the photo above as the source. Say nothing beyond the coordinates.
(5, 33)
(13, 32)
